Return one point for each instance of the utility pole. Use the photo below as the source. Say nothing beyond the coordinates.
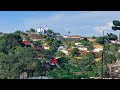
(119, 36)
(102, 56)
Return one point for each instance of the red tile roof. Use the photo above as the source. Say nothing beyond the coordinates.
(54, 61)
(84, 52)
(26, 42)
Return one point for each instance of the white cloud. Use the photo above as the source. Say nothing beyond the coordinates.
(84, 22)
(99, 29)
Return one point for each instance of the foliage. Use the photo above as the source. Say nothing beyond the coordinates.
(36, 43)
(116, 24)
(59, 54)
(31, 30)
(74, 52)
(112, 36)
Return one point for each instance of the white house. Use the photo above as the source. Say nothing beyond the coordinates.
(65, 52)
(117, 42)
(66, 36)
(77, 44)
(97, 49)
(112, 41)
(82, 48)
(46, 47)
(61, 47)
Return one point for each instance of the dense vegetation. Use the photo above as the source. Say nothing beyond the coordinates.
(16, 58)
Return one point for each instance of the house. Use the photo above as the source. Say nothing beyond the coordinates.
(75, 37)
(59, 38)
(112, 41)
(66, 36)
(65, 52)
(26, 43)
(84, 52)
(40, 30)
(46, 46)
(97, 48)
(82, 48)
(91, 39)
(35, 37)
(53, 62)
(61, 47)
(99, 58)
(77, 44)
(117, 42)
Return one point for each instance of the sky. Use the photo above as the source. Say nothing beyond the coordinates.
(83, 23)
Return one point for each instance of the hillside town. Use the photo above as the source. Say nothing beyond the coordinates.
(45, 54)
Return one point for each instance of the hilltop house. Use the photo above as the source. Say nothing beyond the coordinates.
(66, 36)
(74, 37)
(91, 39)
(59, 38)
(35, 37)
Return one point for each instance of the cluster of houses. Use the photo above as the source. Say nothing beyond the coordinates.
(96, 47)
(64, 49)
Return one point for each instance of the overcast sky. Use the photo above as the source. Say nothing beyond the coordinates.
(83, 23)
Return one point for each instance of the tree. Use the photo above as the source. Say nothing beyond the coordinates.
(56, 34)
(31, 30)
(59, 54)
(36, 43)
(16, 59)
(102, 40)
(53, 48)
(56, 42)
(112, 36)
(19, 32)
(116, 25)
(110, 58)
(74, 52)
(10, 41)
(94, 37)
(50, 32)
